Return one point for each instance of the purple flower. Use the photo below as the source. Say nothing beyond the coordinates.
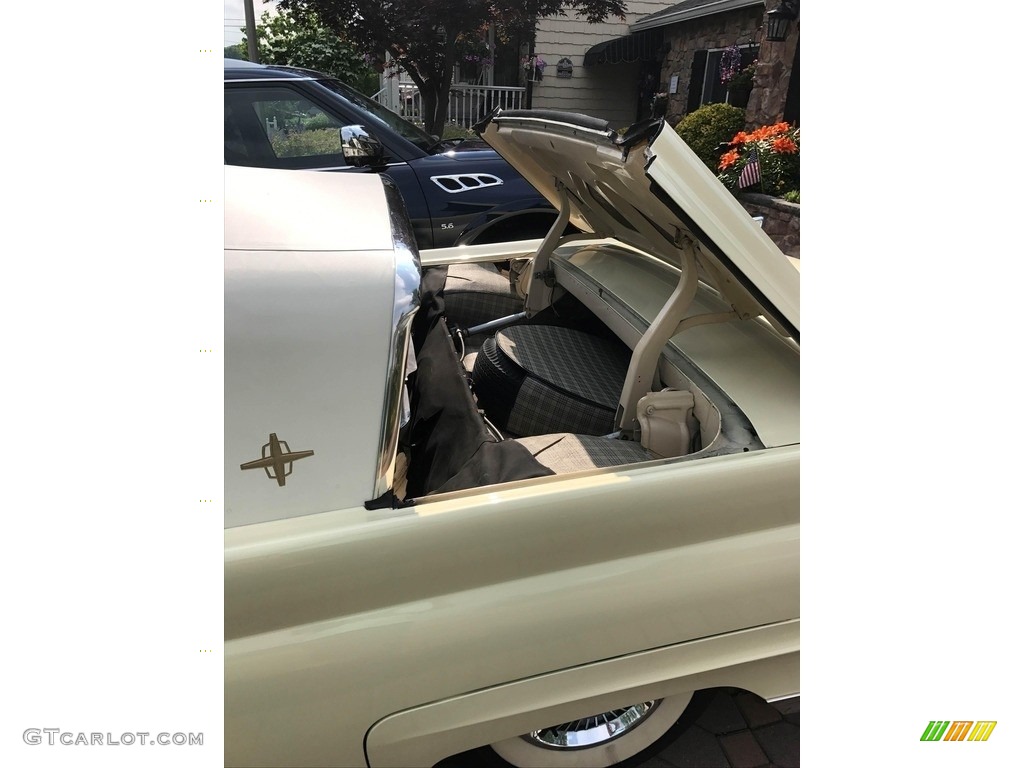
(732, 60)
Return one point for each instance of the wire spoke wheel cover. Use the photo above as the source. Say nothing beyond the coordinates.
(592, 730)
(597, 741)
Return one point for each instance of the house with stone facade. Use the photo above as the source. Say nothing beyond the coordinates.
(696, 35)
(674, 49)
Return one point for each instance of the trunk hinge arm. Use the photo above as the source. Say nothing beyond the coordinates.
(543, 277)
(644, 362)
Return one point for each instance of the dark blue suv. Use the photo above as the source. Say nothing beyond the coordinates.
(457, 192)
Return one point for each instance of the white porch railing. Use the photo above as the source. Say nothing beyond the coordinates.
(466, 103)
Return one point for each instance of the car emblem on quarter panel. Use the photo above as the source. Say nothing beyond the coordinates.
(276, 459)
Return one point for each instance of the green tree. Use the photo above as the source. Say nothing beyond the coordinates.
(423, 37)
(284, 39)
(233, 52)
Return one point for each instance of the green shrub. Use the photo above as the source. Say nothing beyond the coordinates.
(318, 122)
(456, 131)
(705, 128)
(792, 197)
(296, 144)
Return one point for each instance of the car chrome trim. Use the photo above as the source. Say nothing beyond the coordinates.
(593, 730)
(346, 167)
(266, 79)
(360, 147)
(407, 301)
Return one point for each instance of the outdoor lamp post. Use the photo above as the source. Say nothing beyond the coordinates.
(779, 19)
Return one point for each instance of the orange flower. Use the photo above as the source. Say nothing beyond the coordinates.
(739, 139)
(785, 145)
(728, 159)
(767, 132)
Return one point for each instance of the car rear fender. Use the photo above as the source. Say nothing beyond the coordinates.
(764, 660)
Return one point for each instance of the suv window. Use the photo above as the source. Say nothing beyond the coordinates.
(382, 115)
(278, 127)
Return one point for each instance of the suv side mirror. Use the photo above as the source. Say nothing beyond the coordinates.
(360, 147)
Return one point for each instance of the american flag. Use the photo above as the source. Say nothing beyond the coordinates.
(751, 173)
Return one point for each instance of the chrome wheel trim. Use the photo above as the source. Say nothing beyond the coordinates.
(523, 752)
(593, 730)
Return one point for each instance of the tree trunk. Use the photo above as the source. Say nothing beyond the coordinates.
(435, 89)
(428, 104)
(435, 118)
(435, 108)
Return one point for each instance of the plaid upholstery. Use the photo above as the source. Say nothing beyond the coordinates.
(540, 409)
(539, 379)
(575, 453)
(582, 366)
(496, 383)
(478, 293)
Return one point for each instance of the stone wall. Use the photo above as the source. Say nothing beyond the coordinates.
(781, 220)
(747, 25)
(771, 78)
(719, 31)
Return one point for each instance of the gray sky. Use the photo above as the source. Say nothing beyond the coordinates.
(234, 18)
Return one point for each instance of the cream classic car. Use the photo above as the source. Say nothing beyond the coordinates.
(505, 504)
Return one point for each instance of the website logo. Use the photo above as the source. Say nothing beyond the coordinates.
(958, 730)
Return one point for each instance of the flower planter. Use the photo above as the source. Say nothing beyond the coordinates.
(739, 96)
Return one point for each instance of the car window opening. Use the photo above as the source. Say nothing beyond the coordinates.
(526, 398)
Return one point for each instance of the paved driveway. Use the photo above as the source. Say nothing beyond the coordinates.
(722, 728)
(736, 729)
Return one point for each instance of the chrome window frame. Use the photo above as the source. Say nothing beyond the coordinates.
(407, 302)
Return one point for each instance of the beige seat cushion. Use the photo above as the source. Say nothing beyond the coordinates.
(563, 453)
